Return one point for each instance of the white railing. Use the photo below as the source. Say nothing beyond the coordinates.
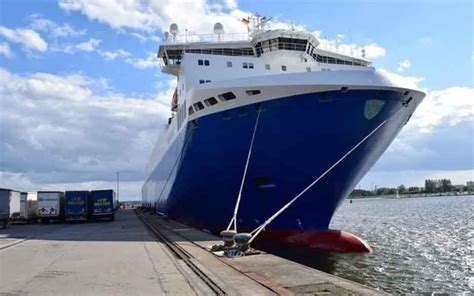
(186, 38)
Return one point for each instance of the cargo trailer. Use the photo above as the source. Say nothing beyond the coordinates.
(28, 207)
(4, 206)
(76, 206)
(102, 204)
(50, 206)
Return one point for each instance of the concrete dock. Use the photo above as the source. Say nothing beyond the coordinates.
(146, 255)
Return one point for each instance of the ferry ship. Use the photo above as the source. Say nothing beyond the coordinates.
(260, 119)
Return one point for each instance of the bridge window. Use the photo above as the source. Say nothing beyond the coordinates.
(250, 65)
(283, 67)
(190, 110)
(245, 65)
(227, 96)
(229, 64)
(200, 62)
(210, 101)
(308, 69)
(267, 66)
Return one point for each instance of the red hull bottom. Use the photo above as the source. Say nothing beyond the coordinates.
(324, 240)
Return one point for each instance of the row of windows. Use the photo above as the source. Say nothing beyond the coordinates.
(251, 66)
(198, 106)
(202, 81)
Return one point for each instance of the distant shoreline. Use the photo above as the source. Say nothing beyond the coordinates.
(414, 195)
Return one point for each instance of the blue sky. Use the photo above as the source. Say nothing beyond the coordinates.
(82, 96)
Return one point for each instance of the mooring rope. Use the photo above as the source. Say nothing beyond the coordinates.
(233, 221)
(259, 229)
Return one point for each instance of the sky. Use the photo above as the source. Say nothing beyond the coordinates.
(82, 96)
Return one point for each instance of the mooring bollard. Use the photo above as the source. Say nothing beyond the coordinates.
(228, 237)
(242, 241)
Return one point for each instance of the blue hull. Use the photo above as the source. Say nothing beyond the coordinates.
(298, 138)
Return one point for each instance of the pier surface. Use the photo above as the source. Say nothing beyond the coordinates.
(145, 255)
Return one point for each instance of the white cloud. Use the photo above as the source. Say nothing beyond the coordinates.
(407, 81)
(117, 14)
(144, 63)
(372, 50)
(41, 24)
(197, 16)
(403, 65)
(90, 45)
(5, 50)
(129, 190)
(26, 37)
(112, 55)
(447, 107)
(413, 177)
(93, 45)
(68, 129)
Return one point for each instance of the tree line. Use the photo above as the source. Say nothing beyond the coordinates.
(431, 186)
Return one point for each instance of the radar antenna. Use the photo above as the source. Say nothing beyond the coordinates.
(174, 30)
(219, 30)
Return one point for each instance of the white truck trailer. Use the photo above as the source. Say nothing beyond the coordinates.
(28, 206)
(50, 206)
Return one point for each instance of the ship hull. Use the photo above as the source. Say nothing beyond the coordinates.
(298, 138)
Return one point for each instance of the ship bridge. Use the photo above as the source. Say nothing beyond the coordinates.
(256, 43)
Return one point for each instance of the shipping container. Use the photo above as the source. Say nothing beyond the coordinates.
(4, 206)
(27, 209)
(50, 206)
(102, 204)
(76, 207)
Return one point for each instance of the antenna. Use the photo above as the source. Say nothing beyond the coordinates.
(167, 35)
(219, 30)
(174, 30)
(363, 53)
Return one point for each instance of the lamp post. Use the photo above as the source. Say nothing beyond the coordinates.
(118, 194)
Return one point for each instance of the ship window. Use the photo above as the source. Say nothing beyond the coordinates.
(308, 69)
(252, 92)
(283, 67)
(208, 81)
(190, 110)
(201, 81)
(206, 62)
(200, 62)
(245, 65)
(250, 65)
(227, 96)
(210, 101)
(267, 67)
(198, 106)
(229, 64)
